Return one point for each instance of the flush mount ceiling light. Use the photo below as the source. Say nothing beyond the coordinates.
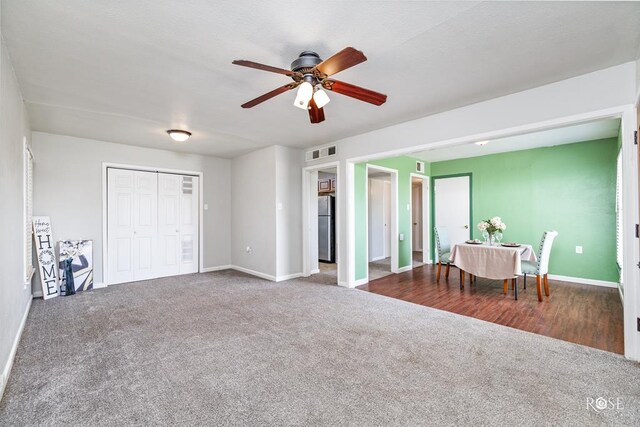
(481, 143)
(179, 135)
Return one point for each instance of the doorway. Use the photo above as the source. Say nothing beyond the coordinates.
(382, 214)
(321, 223)
(452, 207)
(420, 237)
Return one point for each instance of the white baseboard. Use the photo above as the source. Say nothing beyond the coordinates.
(359, 282)
(12, 355)
(583, 281)
(288, 277)
(218, 268)
(378, 258)
(316, 271)
(254, 273)
(405, 268)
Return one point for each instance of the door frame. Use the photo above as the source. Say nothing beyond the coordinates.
(394, 216)
(307, 240)
(105, 167)
(433, 206)
(426, 220)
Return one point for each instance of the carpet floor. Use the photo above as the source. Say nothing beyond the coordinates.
(226, 348)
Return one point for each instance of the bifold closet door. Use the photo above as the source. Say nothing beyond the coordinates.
(132, 223)
(178, 224)
(152, 225)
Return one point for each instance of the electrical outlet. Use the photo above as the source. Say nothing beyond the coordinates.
(249, 250)
(578, 249)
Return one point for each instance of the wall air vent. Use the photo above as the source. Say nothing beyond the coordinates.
(420, 167)
(321, 153)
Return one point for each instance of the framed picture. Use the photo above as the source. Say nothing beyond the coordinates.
(81, 254)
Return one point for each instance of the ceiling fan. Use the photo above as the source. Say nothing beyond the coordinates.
(311, 75)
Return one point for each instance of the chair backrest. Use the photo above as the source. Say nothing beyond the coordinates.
(442, 241)
(545, 251)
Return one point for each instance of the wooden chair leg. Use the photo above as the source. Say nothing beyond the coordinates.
(546, 285)
(525, 282)
(461, 279)
(538, 286)
(438, 272)
(446, 271)
(470, 279)
(505, 286)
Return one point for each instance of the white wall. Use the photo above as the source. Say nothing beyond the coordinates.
(288, 211)
(14, 294)
(68, 188)
(266, 210)
(253, 209)
(638, 80)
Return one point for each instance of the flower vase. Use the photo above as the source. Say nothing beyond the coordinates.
(69, 285)
(490, 239)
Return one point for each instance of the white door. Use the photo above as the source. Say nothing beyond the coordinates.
(145, 225)
(386, 201)
(120, 225)
(169, 224)
(416, 213)
(376, 220)
(451, 207)
(152, 225)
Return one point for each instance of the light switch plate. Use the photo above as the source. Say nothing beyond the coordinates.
(578, 249)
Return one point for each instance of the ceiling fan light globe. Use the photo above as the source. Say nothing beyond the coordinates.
(321, 98)
(303, 96)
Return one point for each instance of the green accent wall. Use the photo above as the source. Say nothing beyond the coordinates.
(569, 188)
(405, 166)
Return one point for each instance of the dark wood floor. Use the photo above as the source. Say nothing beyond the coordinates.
(582, 314)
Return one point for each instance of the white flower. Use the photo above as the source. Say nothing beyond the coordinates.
(503, 226)
(482, 226)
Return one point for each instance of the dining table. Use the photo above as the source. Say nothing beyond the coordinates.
(492, 261)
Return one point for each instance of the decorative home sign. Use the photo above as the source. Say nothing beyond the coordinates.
(76, 256)
(46, 256)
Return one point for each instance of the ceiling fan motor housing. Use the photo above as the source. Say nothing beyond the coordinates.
(305, 62)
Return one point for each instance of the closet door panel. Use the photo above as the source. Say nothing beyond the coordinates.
(145, 225)
(120, 190)
(169, 223)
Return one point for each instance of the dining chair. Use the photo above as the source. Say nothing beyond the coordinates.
(443, 246)
(541, 267)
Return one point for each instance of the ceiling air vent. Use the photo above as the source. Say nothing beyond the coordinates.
(321, 153)
(420, 167)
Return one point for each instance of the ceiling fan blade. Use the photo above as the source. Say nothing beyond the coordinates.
(346, 58)
(316, 115)
(269, 95)
(356, 92)
(263, 67)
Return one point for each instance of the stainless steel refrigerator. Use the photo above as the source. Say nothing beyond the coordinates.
(326, 229)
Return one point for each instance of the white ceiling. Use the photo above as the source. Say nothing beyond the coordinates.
(125, 71)
(600, 129)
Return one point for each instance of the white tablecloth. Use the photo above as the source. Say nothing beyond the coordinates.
(493, 262)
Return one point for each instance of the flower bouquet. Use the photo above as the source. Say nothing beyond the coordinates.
(492, 227)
